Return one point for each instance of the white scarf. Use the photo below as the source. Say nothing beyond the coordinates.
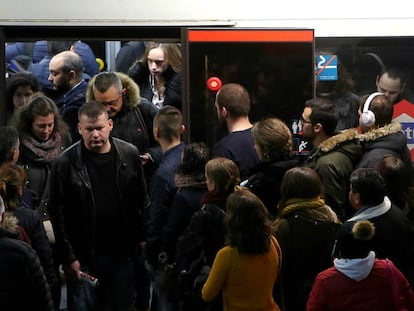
(373, 211)
(356, 269)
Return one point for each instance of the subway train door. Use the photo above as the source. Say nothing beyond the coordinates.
(276, 66)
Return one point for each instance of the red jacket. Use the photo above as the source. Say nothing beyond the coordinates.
(333, 290)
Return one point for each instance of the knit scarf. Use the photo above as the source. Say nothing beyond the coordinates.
(47, 150)
(291, 205)
(218, 198)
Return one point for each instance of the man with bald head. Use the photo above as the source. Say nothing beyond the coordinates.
(66, 77)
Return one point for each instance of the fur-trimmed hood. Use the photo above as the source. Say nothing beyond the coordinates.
(9, 222)
(132, 97)
(386, 140)
(380, 132)
(332, 142)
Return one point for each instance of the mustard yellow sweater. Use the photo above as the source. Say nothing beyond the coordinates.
(246, 281)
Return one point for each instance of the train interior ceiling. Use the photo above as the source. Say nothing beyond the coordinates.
(362, 57)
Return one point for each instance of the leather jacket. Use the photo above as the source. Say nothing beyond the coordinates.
(72, 205)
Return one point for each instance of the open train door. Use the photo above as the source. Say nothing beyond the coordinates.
(276, 66)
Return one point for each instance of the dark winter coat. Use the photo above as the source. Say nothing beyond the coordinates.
(334, 160)
(31, 222)
(23, 284)
(306, 237)
(134, 122)
(266, 179)
(383, 141)
(140, 74)
(38, 170)
(185, 203)
(72, 101)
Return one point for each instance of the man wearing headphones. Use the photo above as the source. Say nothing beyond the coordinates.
(380, 136)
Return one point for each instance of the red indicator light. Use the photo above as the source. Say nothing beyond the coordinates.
(214, 84)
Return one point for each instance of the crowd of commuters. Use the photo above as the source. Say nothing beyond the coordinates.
(97, 182)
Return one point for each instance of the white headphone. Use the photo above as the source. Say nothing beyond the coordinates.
(368, 117)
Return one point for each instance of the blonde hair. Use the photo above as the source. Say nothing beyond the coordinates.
(224, 173)
(274, 138)
(171, 51)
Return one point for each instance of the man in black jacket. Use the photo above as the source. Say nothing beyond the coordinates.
(98, 198)
(394, 234)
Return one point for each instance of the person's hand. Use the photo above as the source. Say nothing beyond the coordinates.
(145, 158)
(73, 270)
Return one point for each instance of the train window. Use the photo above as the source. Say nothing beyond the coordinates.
(364, 58)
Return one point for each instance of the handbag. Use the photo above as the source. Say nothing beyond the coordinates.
(396, 289)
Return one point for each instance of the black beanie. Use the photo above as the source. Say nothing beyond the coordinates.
(355, 239)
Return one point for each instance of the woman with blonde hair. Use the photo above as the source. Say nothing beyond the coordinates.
(158, 74)
(273, 144)
(205, 234)
(246, 269)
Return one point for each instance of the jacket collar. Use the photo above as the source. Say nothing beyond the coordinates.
(332, 142)
(374, 134)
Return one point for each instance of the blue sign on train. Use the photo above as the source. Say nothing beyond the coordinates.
(327, 67)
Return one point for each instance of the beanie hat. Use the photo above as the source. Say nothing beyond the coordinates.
(355, 239)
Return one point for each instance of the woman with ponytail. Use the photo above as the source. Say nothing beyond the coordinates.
(205, 234)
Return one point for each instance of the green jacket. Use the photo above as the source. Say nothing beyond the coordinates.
(334, 160)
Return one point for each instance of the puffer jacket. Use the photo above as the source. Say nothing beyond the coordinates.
(23, 284)
(30, 221)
